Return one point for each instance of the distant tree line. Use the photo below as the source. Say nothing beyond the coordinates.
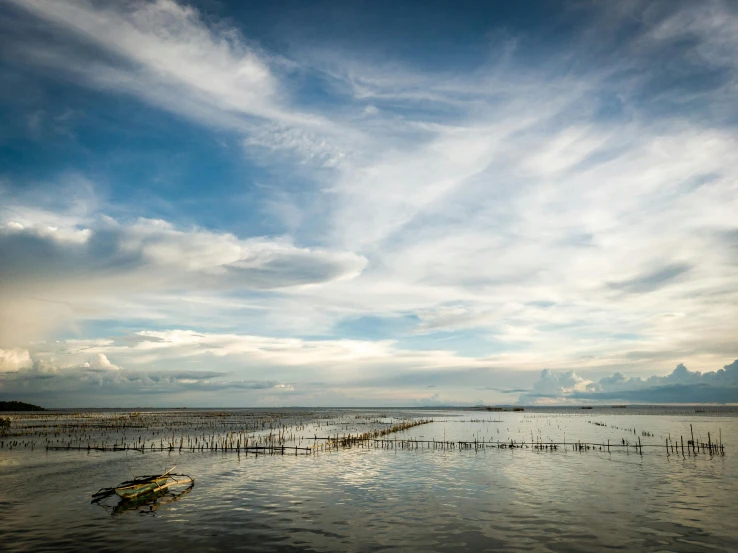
(19, 406)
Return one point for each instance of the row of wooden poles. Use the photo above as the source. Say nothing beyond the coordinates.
(231, 441)
(375, 439)
(540, 445)
(236, 445)
(347, 441)
(694, 447)
(274, 449)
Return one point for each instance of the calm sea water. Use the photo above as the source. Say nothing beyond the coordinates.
(372, 499)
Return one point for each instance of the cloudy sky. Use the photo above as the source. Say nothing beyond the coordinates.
(368, 203)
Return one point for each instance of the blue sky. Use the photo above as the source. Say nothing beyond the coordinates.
(368, 203)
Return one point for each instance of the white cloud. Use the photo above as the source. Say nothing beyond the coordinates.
(149, 245)
(346, 356)
(108, 260)
(306, 145)
(168, 43)
(167, 54)
(101, 362)
(559, 383)
(680, 386)
(14, 359)
(74, 236)
(554, 212)
(257, 369)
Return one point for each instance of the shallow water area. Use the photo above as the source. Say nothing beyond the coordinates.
(393, 494)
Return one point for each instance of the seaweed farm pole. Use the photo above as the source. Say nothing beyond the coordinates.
(681, 439)
(667, 445)
(691, 431)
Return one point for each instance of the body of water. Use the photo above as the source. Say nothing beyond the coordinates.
(376, 496)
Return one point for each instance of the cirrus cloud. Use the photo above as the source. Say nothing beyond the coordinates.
(553, 206)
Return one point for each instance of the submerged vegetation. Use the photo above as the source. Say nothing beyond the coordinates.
(232, 430)
(312, 431)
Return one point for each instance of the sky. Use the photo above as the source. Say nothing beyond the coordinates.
(360, 203)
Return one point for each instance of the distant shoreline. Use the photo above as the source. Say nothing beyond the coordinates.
(18, 406)
(730, 407)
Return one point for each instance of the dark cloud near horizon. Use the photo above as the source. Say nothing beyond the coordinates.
(674, 393)
(49, 384)
(681, 386)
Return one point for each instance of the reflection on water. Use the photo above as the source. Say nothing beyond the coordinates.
(364, 499)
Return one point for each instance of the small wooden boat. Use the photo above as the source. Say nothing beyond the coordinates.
(140, 486)
(151, 491)
(144, 487)
(150, 502)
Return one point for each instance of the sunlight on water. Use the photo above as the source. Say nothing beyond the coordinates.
(384, 496)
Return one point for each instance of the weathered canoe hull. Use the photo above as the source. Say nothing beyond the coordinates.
(137, 490)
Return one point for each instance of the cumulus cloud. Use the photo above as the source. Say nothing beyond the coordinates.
(307, 370)
(14, 359)
(100, 362)
(101, 259)
(51, 380)
(304, 369)
(552, 382)
(156, 247)
(680, 386)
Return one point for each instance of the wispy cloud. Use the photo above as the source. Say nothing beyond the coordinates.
(652, 280)
(575, 211)
(167, 54)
